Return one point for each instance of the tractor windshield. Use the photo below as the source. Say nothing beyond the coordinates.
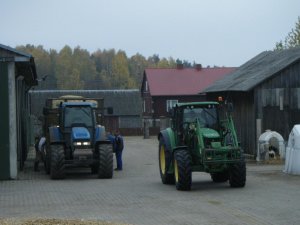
(78, 115)
(207, 116)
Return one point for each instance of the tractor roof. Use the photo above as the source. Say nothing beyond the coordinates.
(196, 104)
(84, 104)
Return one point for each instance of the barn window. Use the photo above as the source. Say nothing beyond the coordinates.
(273, 97)
(170, 104)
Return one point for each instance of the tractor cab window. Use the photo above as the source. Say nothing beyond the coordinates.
(207, 116)
(78, 115)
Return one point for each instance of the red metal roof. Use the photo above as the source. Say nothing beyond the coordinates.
(187, 81)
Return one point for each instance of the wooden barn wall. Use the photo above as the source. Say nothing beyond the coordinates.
(278, 101)
(146, 99)
(147, 104)
(243, 117)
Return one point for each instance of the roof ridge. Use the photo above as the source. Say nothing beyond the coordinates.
(256, 70)
(15, 51)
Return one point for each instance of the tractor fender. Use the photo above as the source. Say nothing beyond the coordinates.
(55, 135)
(100, 134)
(169, 139)
(166, 137)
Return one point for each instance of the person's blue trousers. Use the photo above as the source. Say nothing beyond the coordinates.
(119, 160)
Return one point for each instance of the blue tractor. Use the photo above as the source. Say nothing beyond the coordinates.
(74, 138)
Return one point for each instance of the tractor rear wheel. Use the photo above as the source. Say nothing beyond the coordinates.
(57, 162)
(237, 174)
(220, 177)
(105, 161)
(47, 160)
(95, 164)
(165, 158)
(183, 170)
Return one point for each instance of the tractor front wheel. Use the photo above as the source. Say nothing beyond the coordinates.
(165, 158)
(57, 162)
(183, 170)
(237, 174)
(105, 161)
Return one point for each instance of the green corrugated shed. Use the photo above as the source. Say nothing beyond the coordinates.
(4, 123)
(17, 74)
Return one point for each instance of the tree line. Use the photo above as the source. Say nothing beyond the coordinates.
(107, 69)
(103, 69)
(292, 39)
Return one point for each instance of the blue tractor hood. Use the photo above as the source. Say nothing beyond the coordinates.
(80, 134)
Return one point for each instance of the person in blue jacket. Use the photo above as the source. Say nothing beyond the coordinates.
(119, 146)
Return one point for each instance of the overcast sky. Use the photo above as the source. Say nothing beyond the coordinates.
(210, 32)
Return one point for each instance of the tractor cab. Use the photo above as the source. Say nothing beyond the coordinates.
(195, 117)
(77, 123)
(77, 114)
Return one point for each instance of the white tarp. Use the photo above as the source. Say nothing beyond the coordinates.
(292, 157)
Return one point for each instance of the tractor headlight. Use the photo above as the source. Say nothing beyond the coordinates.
(77, 143)
(85, 143)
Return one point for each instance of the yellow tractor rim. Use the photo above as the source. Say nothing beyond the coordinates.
(162, 159)
(176, 171)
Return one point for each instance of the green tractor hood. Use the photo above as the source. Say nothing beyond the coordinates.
(209, 133)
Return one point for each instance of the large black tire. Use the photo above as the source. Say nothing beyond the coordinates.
(105, 161)
(95, 165)
(220, 177)
(165, 159)
(237, 175)
(183, 170)
(47, 160)
(57, 162)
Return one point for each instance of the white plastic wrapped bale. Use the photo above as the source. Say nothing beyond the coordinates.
(292, 158)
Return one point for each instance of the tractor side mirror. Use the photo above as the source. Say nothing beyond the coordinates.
(110, 110)
(61, 118)
(230, 107)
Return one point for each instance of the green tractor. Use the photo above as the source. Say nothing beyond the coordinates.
(202, 138)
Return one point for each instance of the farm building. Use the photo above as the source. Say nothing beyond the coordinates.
(126, 105)
(161, 89)
(18, 75)
(265, 92)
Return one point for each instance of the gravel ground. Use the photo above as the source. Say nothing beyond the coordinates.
(53, 222)
(137, 196)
